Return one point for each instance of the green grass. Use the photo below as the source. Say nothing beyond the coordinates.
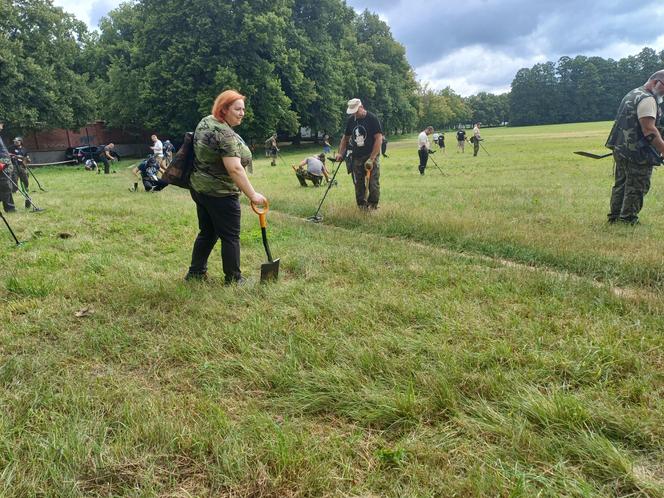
(467, 339)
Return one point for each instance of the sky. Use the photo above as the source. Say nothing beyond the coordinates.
(479, 45)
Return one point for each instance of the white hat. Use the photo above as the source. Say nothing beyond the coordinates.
(353, 106)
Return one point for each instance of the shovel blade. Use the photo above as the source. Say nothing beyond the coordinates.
(270, 271)
(593, 156)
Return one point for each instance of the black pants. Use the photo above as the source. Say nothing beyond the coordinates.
(424, 157)
(218, 218)
(6, 196)
(107, 167)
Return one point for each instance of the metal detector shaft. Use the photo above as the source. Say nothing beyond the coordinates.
(436, 165)
(9, 228)
(27, 196)
(33, 176)
(329, 186)
(25, 165)
(484, 149)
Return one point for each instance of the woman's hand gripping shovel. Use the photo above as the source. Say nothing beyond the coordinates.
(269, 270)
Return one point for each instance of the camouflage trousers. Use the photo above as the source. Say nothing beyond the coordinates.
(632, 182)
(6, 197)
(303, 175)
(20, 176)
(359, 179)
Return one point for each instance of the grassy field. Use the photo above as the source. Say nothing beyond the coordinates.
(484, 333)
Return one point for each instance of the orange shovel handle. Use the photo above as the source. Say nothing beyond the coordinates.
(261, 212)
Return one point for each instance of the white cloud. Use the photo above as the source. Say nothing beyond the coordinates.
(475, 69)
(88, 12)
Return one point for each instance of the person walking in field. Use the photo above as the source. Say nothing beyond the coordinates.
(637, 147)
(274, 150)
(441, 141)
(476, 138)
(423, 148)
(365, 134)
(461, 140)
(20, 161)
(157, 149)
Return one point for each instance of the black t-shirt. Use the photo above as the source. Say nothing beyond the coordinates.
(362, 133)
(461, 135)
(18, 151)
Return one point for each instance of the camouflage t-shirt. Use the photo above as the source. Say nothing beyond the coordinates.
(214, 140)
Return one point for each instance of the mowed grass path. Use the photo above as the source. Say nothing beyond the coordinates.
(392, 358)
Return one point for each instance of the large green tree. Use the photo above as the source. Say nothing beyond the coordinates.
(160, 64)
(489, 109)
(43, 75)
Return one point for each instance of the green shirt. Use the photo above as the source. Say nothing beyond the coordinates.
(214, 140)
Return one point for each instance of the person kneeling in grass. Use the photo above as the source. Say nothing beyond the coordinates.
(312, 168)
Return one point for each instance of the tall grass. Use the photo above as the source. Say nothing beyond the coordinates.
(392, 358)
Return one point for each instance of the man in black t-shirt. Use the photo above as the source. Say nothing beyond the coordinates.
(365, 134)
(461, 140)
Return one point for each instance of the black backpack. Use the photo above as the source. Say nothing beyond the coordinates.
(179, 170)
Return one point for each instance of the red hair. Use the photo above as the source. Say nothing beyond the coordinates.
(224, 101)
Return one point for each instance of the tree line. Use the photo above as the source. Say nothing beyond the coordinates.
(578, 89)
(158, 64)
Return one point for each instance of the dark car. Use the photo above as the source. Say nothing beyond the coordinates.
(83, 153)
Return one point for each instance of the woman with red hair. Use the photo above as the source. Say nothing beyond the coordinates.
(217, 179)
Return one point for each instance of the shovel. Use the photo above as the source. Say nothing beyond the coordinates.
(269, 270)
(593, 156)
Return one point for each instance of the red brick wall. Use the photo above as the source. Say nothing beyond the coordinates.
(60, 139)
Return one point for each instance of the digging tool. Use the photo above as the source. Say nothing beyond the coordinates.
(9, 228)
(593, 156)
(35, 209)
(368, 168)
(317, 218)
(269, 270)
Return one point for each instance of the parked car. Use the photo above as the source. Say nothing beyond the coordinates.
(83, 153)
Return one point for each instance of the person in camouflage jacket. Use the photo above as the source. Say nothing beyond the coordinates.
(637, 147)
(6, 197)
(218, 177)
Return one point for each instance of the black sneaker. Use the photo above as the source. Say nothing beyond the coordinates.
(200, 277)
(240, 281)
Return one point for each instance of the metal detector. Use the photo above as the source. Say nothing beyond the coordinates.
(282, 159)
(35, 209)
(435, 163)
(35, 178)
(484, 149)
(25, 165)
(317, 218)
(9, 228)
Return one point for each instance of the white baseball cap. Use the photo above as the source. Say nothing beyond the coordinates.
(353, 106)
